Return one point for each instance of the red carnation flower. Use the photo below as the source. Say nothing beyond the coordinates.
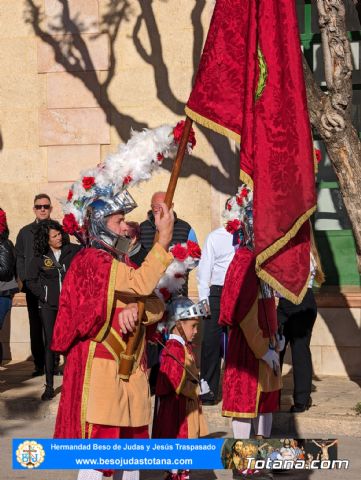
(193, 249)
(179, 252)
(165, 293)
(229, 206)
(88, 182)
(70, 225)
(70, 195)
(239, 200)
(233, 226)
(178, 131)
(318, 155)
(160, 157)
(127, 180)
(244, 192)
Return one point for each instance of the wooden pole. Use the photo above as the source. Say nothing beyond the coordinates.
(128, 357)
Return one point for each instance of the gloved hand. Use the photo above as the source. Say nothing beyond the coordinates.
(272, 359)
(281, 342)
(204, 387)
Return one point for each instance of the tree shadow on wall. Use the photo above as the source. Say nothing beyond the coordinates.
(70, 49)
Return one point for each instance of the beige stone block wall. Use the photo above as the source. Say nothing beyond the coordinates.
(61, 161)
(73, 126)
(84, 13)
(97, 48)
(66, 91)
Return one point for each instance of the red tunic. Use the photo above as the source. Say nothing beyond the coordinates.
(82, 314)
(249, 385)
(179, 412)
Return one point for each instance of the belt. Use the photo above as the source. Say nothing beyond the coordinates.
(115, 345)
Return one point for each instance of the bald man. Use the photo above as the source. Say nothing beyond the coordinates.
(181, 233)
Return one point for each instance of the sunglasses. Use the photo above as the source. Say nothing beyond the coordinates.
(39, 207)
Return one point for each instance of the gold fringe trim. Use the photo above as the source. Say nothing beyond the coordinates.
(227, 413)
(93, 344)
(216, 127)
(85, 392)
(110, 300)
(246, 179)
(272, 250)
(90, 430)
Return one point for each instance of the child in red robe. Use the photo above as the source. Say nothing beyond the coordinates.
(178, 410)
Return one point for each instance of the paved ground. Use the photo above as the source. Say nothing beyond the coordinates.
(331, 416)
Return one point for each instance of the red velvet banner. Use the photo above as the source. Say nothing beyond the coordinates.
(250, 87)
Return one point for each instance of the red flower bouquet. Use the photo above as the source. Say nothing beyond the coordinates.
(70, 225)
(88, 182)
(179, 253)
(193, 249)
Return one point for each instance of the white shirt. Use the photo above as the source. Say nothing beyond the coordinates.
(217, 254)
(179, 339)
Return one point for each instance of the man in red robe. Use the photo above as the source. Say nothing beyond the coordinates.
(96, 315)
(252, 380)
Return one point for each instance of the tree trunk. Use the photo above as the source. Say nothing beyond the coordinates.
(330, 112)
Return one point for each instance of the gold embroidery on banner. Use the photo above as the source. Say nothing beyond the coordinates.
(246, 179)
(206, 122)
(272, 250)
(263, 74)
(90, 430)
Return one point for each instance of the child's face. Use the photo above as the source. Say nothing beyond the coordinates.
(190, 328)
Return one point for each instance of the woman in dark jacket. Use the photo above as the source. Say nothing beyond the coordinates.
(8, 284)
(53, 254)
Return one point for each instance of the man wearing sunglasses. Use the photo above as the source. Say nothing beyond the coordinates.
(24, 253)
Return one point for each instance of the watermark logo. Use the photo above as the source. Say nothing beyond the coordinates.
(30, 454)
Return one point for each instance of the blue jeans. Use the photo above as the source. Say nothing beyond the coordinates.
(5, 306)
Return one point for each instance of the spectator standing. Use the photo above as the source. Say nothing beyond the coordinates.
(297, 322)
(53, 254)
(24, 253)
(8, 284)
(217, 254)
(181, 233)
(137, 252)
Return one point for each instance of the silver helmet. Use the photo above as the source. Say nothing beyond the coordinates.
(100, 236)
(182, 308)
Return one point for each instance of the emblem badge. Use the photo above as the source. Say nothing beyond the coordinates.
(30, 454)
(48, 262)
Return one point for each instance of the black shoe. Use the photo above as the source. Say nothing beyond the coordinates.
(301, 407)
(48, 394)
(208, 398)
(38, 372)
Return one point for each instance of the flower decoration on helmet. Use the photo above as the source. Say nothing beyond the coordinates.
(186, 257)
(235, 212)
(132, 163)
(178, 132)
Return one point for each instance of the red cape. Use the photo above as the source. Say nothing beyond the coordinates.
(171, 418)
(83, 311)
